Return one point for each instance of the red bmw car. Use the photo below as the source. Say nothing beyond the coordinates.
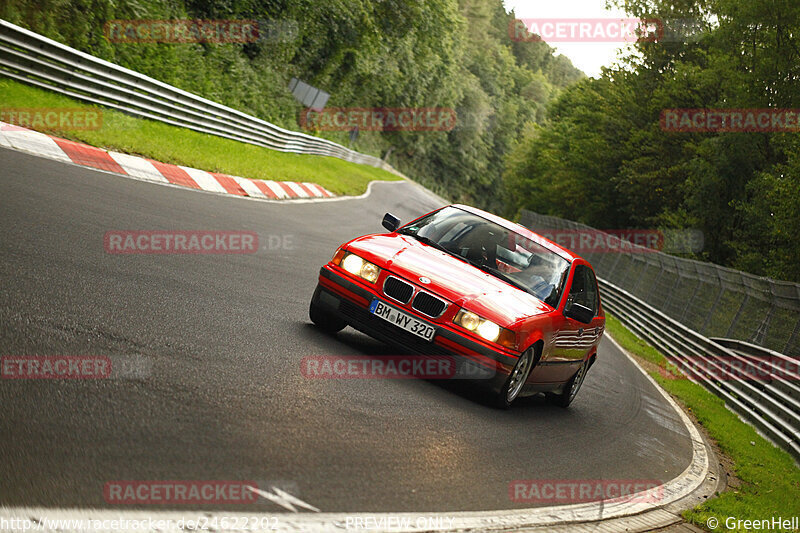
(462, 282)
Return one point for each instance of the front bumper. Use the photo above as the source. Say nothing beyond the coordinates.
(338, 295)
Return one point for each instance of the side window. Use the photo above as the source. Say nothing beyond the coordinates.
(593, 295)
(584, 289)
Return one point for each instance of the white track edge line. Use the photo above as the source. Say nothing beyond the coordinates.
(283, 196)
(285, 201)
(681, 486)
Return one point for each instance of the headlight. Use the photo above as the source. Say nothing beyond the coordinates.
(370, 272)
(489, 330)
(358, 267)
(485, 328)
(352, 263)
(468, 320)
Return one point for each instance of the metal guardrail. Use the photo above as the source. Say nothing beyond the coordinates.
(713, 300)
(770, 401)
(675, 304)
(768, 358)
(36, 60)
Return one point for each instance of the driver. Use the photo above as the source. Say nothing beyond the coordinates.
(480, 244)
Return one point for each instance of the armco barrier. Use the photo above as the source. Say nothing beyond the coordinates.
(713, 300)
(641, 288)
(772, 406)
(36, 60)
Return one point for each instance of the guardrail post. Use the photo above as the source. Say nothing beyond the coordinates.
(738, 315)
(714, 306)
(792, 338)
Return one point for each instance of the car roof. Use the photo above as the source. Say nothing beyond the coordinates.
(522, 230)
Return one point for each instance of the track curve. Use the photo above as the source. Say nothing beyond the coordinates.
(223, 336)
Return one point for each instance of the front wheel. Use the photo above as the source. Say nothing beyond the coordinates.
(572, 387)
(516, 380)
(324, 320)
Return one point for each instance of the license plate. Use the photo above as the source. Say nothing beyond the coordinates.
(402, 320)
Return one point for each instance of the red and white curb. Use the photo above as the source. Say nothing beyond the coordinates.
(26, 140)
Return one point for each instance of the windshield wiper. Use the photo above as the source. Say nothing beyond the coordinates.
(429, 242)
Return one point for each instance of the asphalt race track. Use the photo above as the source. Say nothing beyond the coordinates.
(221, 338)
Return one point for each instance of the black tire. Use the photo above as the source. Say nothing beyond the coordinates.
(516, 380)
(324, 320)
(567, 396)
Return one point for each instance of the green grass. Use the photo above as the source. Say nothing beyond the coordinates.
(170, 144)
(770, 479)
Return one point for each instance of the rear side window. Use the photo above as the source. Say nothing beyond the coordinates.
(592, 292)
(584, 289)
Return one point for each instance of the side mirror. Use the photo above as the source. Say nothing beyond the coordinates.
(391, 222)
(579, 312)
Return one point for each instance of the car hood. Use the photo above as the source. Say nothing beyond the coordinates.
(450, 277)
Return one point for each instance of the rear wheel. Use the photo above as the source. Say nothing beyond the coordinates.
(324, 320)
(516, 380)
(572, 387)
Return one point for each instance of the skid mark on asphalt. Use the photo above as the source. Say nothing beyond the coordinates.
(284, 499)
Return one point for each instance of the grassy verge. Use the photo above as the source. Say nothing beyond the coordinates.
(770, 479)
(171, 144)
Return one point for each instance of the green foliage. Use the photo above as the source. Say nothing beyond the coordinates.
(602, 157)
(389, 53)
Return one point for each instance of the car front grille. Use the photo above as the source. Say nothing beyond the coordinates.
(398, 289)
(428, 305)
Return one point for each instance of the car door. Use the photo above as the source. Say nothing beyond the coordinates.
(557, 361)
(592, 331)
(574, 339)
(584, 292)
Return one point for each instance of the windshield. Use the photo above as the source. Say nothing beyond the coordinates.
(504, 253)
